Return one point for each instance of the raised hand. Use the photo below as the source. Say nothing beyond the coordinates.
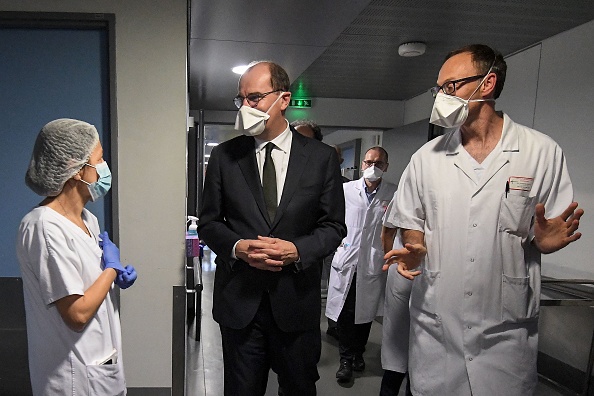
(554, 234)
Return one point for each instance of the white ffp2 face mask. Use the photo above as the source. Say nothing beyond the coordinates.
(451, 111)
(252, 121)
(372, 173)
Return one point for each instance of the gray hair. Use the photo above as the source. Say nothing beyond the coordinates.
(311, 125)
(61, 149)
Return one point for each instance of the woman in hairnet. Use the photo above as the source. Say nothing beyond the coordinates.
(69, 268)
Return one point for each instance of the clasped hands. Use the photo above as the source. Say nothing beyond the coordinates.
(126, 276)
(266, 253)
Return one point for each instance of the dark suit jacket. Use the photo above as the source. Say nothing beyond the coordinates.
(310, 214)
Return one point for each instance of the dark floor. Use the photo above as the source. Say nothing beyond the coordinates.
(205, 373)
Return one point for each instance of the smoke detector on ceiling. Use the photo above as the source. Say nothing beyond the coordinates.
(414, 48)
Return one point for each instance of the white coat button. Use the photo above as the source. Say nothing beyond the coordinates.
(469, 327)
(474, 225)
(472, 260)
(470, 359)
(469, 293)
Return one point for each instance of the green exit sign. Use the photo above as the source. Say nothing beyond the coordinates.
(300, 103)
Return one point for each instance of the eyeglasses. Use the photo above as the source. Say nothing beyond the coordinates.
(449, 87)
(253, 98)
(379, 164)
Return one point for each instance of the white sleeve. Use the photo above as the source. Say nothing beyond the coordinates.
(388, 219)
(560, 194)
(408, 206)
(60, 265)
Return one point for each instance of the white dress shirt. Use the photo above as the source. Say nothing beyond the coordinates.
(280, 157)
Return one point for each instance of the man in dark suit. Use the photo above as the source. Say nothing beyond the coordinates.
(270, 229)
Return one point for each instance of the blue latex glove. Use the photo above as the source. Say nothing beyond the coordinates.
(126, 279)
(111, 254)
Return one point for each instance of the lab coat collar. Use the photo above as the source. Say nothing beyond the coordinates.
(361, 186)
(364, 185)
(509, 138)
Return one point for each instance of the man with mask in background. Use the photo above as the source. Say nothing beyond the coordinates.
(357, 282)
(272, 209)
(477, 207)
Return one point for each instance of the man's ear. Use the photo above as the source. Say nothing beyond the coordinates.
(285, 100)
(488, 87)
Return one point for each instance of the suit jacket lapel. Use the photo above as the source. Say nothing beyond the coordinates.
(297, 162)
(249, 167)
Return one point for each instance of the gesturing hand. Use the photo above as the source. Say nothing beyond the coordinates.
(408, 259)
(553, 234)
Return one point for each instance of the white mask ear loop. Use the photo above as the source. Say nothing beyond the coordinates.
(277, 99)
(478, 86)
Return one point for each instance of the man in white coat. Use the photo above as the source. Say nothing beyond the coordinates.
(396, 323)
(479, 205)
(357, 282)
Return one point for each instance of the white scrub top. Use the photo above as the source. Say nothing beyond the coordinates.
(58, 259)
(474, 309)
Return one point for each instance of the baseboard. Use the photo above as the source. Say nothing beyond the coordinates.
(149, 391)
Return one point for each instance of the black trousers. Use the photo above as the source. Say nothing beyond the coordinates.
(391, 382)
(352, 337)
(249, 354)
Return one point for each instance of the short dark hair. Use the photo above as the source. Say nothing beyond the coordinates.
(380, 149)
(483, 57)
(312, 125)
(279, 79)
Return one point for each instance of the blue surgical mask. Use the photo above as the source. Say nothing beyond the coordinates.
(99, 188)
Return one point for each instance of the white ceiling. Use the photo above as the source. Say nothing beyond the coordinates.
(348, 48)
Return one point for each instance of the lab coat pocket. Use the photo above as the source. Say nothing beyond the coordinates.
(105, 379)
(516, 213)
(424, 296)
(518, 301)
(344, 258)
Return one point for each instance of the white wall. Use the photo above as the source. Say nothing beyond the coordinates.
(401, 143)
(518, 98)
(419, 107)
(151, 155)
(565, 111)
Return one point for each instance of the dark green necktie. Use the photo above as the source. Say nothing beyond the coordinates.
(269, 182)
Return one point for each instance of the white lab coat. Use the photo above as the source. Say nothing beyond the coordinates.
(361, 251)
(58, 259)
(395, 327)
(474, 309)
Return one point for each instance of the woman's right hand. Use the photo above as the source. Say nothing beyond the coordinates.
(111, 254)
